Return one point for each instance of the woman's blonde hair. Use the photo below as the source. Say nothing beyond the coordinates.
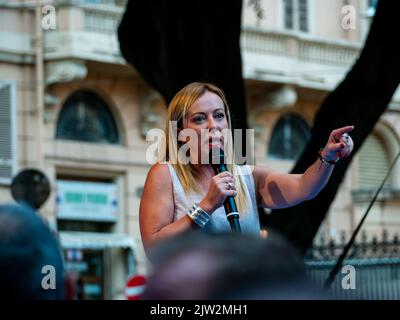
(177, 112)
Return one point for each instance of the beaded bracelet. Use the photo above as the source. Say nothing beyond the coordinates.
(198, 215)
(331, 162)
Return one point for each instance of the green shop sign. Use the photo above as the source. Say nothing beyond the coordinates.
(80, 200)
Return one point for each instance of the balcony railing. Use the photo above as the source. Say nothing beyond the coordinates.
(302, 47)
(327, 53)
(102, 19)
(97, 34)
(254, 40)
(264, 43)
(101, 22)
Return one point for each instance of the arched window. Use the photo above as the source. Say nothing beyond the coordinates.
(289, 137)
(86, 117)
(373, 163)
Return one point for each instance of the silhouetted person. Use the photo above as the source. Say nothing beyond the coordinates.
(26, 246)
(197, 265)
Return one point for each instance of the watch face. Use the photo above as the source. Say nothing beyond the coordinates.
(31, 187)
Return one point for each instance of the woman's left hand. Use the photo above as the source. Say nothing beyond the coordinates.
(339, 145)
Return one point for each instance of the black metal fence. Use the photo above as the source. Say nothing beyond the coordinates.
(371, 270)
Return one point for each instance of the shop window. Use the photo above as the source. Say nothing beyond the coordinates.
(86, 117)
(86, 270)
(289, 137)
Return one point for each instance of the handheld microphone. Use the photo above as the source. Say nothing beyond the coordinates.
(217, 161)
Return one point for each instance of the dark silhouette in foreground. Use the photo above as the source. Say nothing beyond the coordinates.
(196, 265)
(29, 257)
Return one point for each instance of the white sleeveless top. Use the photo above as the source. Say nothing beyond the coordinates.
(249, 220)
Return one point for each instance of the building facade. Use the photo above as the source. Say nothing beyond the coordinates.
(71, 107)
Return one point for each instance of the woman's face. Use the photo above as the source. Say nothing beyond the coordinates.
(207, 118)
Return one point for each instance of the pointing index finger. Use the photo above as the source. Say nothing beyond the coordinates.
(338, 132)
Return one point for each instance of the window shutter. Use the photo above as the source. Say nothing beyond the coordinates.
(7, 132)
(374, 163)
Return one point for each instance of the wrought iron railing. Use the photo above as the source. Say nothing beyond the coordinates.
(375, 262)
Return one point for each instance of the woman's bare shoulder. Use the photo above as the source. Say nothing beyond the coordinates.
(159, 172)
(159, 168)
(158, 185)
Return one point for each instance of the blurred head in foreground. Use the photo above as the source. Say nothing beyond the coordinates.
(196, 265)
(31, 265)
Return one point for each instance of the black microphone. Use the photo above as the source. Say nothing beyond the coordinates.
(217, 161)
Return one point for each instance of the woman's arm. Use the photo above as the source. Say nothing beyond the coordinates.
(277, 190)
(156, 211)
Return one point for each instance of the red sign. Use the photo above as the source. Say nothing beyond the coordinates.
(135, 287)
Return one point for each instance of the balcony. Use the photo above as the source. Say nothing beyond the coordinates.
(268, 55)
(86, 30)
(299, 58)
(89, 33)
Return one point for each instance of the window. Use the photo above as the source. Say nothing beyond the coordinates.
(372, 7)
(288, 14)
(86, 117)
(8, 154)
(369, 8)
(373, 163)
(289, 137)
(120, 3)
(303, 16)
(296, 15)
(372, 3)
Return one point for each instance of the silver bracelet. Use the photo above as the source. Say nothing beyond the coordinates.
(323, 160)
(198, 215)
